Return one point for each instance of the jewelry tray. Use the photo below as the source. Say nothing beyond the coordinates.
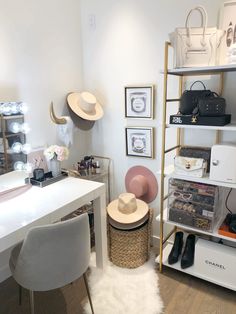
(49, 179)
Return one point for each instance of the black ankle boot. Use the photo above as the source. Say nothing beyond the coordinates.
(187, 259)
(176, 249)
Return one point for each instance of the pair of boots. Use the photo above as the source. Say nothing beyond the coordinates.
(187, 258)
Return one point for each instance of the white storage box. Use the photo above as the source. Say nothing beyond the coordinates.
(216, 263)
(223, 165)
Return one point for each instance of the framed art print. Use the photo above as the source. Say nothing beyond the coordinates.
(139, 141)
(139, 102)
(228, 24)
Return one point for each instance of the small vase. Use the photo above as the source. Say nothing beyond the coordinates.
(55, 167)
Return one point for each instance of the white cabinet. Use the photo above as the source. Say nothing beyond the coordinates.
(197, 269)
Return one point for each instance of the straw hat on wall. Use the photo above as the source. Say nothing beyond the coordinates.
(85, 105)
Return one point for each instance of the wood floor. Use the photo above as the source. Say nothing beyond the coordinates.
(181, 294)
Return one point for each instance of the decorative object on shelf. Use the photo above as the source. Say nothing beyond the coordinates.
(139, 142)
(197, 152)
(127, 212)
(188, 166)
(55, 154)
(65, 127)
(139, 101)
(85, 105)
(201, 102)
(228, 226)
(223, 166)
(193, 204)
(198, 120)
(140, 181)
(196, 46)
(55, 166)
(228, 24)
(215, 262)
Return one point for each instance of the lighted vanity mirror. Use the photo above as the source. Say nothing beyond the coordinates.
(13, 145)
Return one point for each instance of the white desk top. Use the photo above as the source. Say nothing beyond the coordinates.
(42, 205)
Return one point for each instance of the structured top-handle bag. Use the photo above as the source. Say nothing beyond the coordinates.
(196, 46)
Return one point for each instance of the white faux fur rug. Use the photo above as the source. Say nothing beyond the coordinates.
(124, 291)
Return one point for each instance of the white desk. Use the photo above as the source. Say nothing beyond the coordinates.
(38, 206)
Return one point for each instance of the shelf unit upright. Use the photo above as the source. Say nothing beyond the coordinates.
(167, 172)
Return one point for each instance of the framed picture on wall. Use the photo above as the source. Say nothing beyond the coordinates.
(139, 101)
(139, 141)
(228, 24)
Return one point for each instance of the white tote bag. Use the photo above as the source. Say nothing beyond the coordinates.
(196, 46)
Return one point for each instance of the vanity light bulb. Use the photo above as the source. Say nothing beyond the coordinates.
(25, 128)
(14, 107)
(6, 109)
(15, 127)
(17, 147)
(23, 108)
(19, 166)
(26, 148)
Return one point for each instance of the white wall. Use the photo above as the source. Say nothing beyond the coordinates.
(126, 47)
(40, 62)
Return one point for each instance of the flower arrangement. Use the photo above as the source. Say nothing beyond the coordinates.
(56, 152)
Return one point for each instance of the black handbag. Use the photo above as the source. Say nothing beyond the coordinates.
(211, 106)
(190, 98)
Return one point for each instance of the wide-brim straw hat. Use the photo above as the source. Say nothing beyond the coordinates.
(85, 105)
(127, 212)
(140, 181)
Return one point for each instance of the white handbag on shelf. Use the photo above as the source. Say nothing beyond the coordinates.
(188, 166)
(196, 46)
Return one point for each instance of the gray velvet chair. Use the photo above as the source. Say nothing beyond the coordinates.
(52, 256)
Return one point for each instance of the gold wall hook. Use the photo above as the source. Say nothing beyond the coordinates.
(54, 118)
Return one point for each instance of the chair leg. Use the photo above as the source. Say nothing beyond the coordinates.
(20, 294)
(31, 301)
(87, 288)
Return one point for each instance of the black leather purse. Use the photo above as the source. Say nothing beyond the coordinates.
(190, 98)
(211, 106)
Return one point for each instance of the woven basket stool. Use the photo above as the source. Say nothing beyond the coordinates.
(130, 248)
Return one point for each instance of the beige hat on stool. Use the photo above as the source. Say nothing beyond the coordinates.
(141, 181)
(127, 212)
(85, 105)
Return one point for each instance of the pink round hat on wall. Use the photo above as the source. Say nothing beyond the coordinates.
(140, 181)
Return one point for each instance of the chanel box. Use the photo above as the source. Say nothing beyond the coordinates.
(216, 263)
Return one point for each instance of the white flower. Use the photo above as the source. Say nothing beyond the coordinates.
(57, 152)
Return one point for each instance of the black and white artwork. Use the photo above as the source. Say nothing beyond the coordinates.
(139, 142)
(139, 102)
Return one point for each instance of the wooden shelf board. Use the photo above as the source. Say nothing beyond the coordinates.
(203, 70)
(190, 270)
(195, 230)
